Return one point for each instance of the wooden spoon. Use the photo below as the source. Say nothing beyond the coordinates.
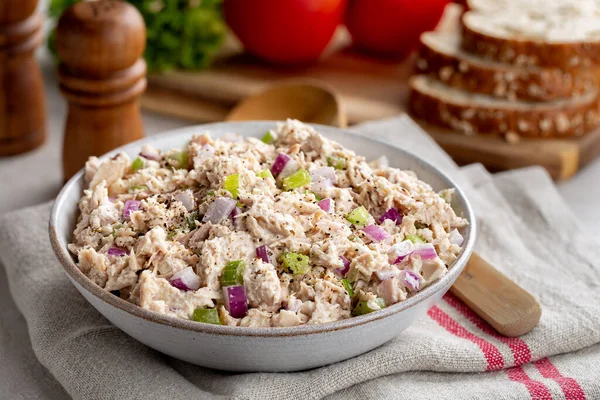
(507, 307)
(304, 100)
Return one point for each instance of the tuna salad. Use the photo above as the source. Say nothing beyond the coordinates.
(286, 230)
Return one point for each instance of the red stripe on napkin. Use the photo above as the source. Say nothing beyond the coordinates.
(569, 386)
(491, 352)
(518, 347)
(537, 390)
(520, 350)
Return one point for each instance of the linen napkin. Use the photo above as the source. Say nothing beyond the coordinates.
(526, 230)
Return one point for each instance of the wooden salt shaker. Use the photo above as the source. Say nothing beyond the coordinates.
(22, 108)
(102, 75)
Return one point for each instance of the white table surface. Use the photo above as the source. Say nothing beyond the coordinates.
(35, 177)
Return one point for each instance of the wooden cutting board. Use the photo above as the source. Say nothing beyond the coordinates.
(369, 90)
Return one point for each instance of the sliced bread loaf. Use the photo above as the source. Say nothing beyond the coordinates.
(469, 113)
(529, 38)
(442, 57)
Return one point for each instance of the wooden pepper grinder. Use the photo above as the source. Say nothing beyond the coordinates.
(102, 75)
(22, 108)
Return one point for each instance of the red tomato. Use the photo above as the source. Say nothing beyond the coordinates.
(391, 27)
(284, 31)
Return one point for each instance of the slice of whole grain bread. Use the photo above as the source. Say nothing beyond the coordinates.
(567, 7)
(469, 113)
(531, 37)
(442, 57)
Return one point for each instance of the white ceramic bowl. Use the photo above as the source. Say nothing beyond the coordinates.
(259, 349)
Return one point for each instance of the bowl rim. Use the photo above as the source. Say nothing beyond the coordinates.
(75, 274)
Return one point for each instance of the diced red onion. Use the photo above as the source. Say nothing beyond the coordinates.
(205, 153)
(425, 250)
(279, 163)
(343, 271)
(186, 198)
(235, 212)
(130, 206)
(400, 251)
(150, 153)
(235, 301)
(117, 251)
(392, 214)
(325, 205)
(219, 209)
(290, 168)
(323, 172)
(411, 280)
(185, 279)
(263, 252)
(399, 259)
(456, 238)
(385, 274)
(321, 185)
(376, 233)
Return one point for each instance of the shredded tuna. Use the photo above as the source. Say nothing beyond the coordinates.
(317, 258)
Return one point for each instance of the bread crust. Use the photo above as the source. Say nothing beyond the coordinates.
(576, 118)
(503, 80)
(529, 52)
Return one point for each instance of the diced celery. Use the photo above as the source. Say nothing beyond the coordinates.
(136, 188)
(233, 273)
(363, 308)
(268, 138)
(206, 315)
(181, 158)
(348, 286)
(337, 162)
(191, 220)
(138, 163)
(359, 216)
(415, 238)
(210, 193)
(296, 263)
(354, 238)
(296, 180)
(232, 184)
(117, 227)
(265, 173)
(317, 197)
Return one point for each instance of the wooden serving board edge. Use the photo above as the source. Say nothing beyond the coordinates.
(561, 158)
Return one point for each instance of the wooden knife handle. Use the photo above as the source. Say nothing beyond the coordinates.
(506, 306)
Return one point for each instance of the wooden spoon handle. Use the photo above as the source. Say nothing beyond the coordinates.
(506, 306)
